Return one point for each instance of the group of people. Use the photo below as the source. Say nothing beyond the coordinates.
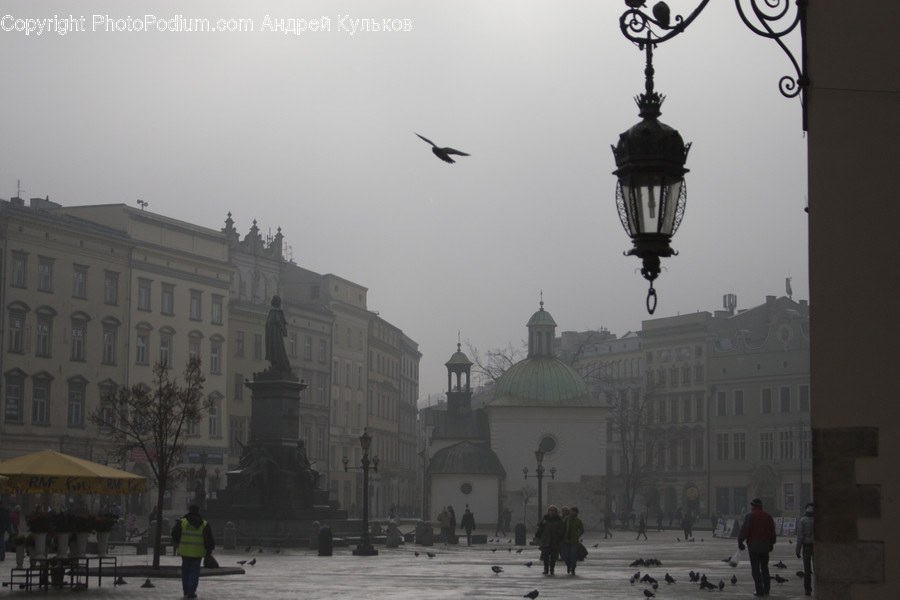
(758, 531)
(560, 535)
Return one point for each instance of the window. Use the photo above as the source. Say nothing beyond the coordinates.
(216, 315)
(336, 373)
(359, 377)
(110, 331)
(698, 374)
(239, 344)
(238, 394)
(804, 398)
(349, 340)
(292, 345)
(15, 384)
(141, 353)
(165, 349)
(194, 348)
(323, 350)
(79, 282)
(111, 288)
(196, 312)
(257, 346)
(673, 412)
(40, 401)
(766, 401)
(698, 452)
(192, 429)
(766, 445)
(686, 375)
(740, 446)
(347, 375)
(698, 400)
(16, 331)
(18, 270)
(43, 335)
(167, 299)
(215, 357)
(321, 388)
(784, 396)
(804, 444)
(320, 442)
(307, 347)
(722, 446)
(662, 411)
(686, 409)
(786, 444)
(107, 390)
(76, 403)
(143, 296)
(237, 434)
(739, 402)
(788, 496)
(45, 274)
(213, 415)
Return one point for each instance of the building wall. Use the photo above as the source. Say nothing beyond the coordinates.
(854, 124)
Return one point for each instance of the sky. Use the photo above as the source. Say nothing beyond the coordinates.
(314, 132)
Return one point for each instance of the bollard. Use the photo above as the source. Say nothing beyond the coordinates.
(325, 541)
(230, 539)
(521, 534)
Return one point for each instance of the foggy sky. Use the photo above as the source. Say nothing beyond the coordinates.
(314, 133)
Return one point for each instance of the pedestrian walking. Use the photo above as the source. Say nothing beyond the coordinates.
(659, 521)
(572, 532)
(759, 533)
(443, 519)
(607, 522)
(5, 528)
(193, 537)
(550, 532)
(468, 524)
(805, 547)
(452, 533)
(687, 524)
(642, 528)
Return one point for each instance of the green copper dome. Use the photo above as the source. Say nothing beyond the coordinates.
(541, 317)
(541, 381)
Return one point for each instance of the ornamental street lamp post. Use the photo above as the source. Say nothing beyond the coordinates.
(539, 455)
(364, 548)
(650, 157)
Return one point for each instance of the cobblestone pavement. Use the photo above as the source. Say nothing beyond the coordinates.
(463, 572)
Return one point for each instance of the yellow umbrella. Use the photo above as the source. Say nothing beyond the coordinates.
(56, 473)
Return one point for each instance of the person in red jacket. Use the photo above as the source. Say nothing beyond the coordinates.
(759, 533)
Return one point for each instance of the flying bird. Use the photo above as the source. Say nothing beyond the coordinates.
(497, 570)
(443, 153)
(532, 594)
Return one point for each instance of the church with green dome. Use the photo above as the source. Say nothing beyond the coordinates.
(540, 403)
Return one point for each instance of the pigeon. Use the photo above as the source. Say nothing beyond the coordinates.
(779, 578)
(528, 564)
(694, 577)
(443, 153)
(637, 575)
(655, 586)
(780, 565)
(649, 594)
(430, 554)
(147, 584)
(519, 551)
(509, 549)
(497, 570)
(669, 579)
(596, 545)
(493, 549)
(252, 562)
(637, 563)
(733, 579)
(705, 585)
(242, 562)
(721, 585)
(801, 574)
(532, 594)
(632, 580)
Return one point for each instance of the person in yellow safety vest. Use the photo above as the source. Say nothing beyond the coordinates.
(194, 539)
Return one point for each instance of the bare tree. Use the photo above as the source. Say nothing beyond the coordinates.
(638, 442)
(491, 366)
(154, 422)
(528, 492)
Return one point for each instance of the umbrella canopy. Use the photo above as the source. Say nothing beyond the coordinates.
(52, 472)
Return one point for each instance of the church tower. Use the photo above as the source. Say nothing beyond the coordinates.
(459, 393)
(541, 334)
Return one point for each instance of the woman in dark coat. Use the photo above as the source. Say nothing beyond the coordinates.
(550, 532)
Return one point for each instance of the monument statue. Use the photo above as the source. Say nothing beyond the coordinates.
(276, 331)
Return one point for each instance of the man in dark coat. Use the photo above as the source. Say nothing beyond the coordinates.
(805, 539)
(550, 532)
(468, 524)
(759, 533)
